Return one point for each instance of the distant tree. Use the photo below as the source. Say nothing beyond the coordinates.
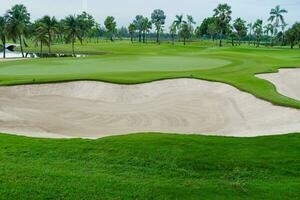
(185, 32)
(233, 36)
(191, 22)
(158, 19)
(3, 33)
(18, 18)
(212, 30)
(258, 30)
(72, 30)
(269, 29)
(223, 16)
(173, 31)
(41, 36)
(177, 23)
(50, 25)
(146, 26)
(283, 26)
(293, 35)
(241, 29)
(110, 26)
(138, 22)
(85, 22)
(250, 28)
(131, 29)
(203, 28)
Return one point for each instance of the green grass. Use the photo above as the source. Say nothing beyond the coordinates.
(150, 166)
(138, 63)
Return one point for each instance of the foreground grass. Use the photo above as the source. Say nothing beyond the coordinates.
(150, 166)
(138, 63)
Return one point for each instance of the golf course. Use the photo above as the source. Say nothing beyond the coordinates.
(107, 112)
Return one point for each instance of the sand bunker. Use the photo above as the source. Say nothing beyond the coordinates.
(287, 81)
(89, 109)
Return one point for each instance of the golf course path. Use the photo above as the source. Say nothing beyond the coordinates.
(90, 109)
(287, 82)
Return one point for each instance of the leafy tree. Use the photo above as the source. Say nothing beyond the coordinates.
(203, 28)
(241, 29)
(3, 33)
(50, 25)
(258, 30)
(223, 16)
(85, 22)
(72, 30)
(110, 26)
(185, 32)
(293, 35)
(18, 19)
(138, 22)
(212, 30)
(158, 18)
(147, 25)
(131, 29)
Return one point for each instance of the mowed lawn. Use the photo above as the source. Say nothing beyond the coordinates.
(123, 62)
(150, 166)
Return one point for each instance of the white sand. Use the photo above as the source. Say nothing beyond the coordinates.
(90, 109)
(287, 82)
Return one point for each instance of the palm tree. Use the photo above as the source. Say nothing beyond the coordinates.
(185, 31)
(131, 29)
(138, 22)
(173, 31)
(277, 18)
(3, 33)
(240, 26)
(178, 22)
(18, 19)
(146, 26)
(283, 26)
(51, 28)
(41, 35)
(72, 30)
(269, 29)
(250, 28)
(223, 16)
(257, 27)
(158, 18)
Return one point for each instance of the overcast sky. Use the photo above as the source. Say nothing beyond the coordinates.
(125, 10)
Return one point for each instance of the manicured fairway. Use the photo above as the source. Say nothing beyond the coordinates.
(150, 166)
(138, 63)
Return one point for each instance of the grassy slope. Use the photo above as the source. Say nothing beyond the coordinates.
(138, 63)
(150, 166)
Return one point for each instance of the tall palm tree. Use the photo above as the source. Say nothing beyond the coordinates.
(51, 28)
(257, 27)
(250, 28)
(223, 16)
(18, 19)
(178, 22)
(269, 29)
(72, 30)
(173, 31)
(276, 17)
(131, 30)
(3, 33)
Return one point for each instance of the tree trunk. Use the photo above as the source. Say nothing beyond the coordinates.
(73, 46)
(144, 36)
(21, 45)
(50, 41)
(232, 42)
(157, 36)
(41, 47)
(221, 38)
(4, 43)
(140, 36)
(184, 41)
(292, 45)
(131, 38)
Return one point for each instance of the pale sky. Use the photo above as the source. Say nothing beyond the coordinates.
(125, 10)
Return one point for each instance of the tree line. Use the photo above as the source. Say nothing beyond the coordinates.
(15, 25)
